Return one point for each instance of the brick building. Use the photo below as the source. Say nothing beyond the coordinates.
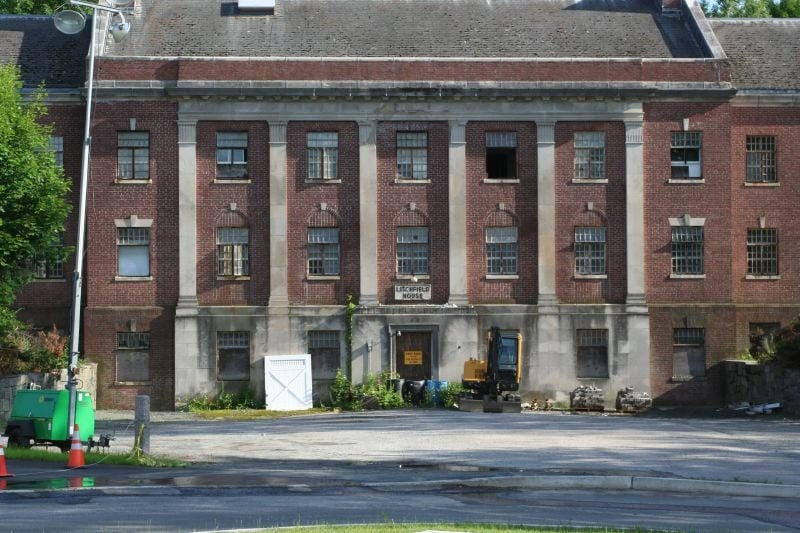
(616, 180)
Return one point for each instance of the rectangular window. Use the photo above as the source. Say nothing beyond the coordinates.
(685, 154)
(233, 251)
(49, 265)
(501, 155)
(133, 248)
(761, 159)
(133, 356)
(412, 251)
(324, 348)
(57, 147)
(592, 353)
(232, 155)
(323, 251)
(501, 250)
(133, 155)
(590, 251)
(762, 251)
(323, 155)
(687, 249)
(688, 353)
(412, 155)
(590, 155)
(233, 355)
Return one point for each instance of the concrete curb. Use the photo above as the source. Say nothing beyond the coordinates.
(653, 484)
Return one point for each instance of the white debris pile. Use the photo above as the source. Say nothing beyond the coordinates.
(587, 398)
(756, 409)
(630, 401)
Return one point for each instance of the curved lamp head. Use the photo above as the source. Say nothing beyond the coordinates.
(119, 30)
(69, 22)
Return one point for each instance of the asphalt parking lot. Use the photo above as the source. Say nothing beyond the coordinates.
(753, 449)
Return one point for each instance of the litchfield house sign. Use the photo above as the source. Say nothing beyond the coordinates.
(412, 292)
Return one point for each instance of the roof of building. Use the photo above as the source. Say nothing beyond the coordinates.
(408, 28)
(43, 53)
(763, 52)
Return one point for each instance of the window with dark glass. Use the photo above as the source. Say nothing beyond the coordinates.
(133, 155)
(412, 251)
(231, 155)
(133, 356)
(323, 251)
(687, 250)
(501, 155)
(762, 251)
(323, 155)
(761, 159)
(233, 355)
(501, 250)
(590, 251)
(685, 152)
(592, 353)
(688, 353)
(590, 155)
(412, 155)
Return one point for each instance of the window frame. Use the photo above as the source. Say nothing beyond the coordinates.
(501, 145)
(133, 243)
(133, 156)
(46, 270)
(501, 251)
(682, 143)
(591, 343)
(415, 254)
(590, 155)
(323, 252)
(762, 254)
(412, 156)
(684, 251)
(140, 345)
(232, 144)
(322, 155)
(56, 147)
(230, 343)
(698, 342)
(761, 159)
(233, 256)
(590, 243)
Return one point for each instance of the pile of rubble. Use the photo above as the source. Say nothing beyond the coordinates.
(587, 398)
(630, 401)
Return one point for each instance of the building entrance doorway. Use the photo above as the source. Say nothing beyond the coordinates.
(413, 349)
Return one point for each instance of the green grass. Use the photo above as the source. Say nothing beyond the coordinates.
(468, 528)
(254, 414)
(49, 454)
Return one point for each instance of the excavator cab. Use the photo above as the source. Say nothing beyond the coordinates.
(488, 382)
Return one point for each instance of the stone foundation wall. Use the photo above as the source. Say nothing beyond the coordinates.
(9, 385)
(747, 381)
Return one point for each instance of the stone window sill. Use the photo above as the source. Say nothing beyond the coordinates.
(121, 181)
(687, 276)
(130, 383)
(501, 276)
(501, 180)
(762, 184)
(765, 278)
(49, 280)
(233, 278)
(133, 278)
(695, 181)
(593, 377)
(322, 181)
(232, 181)
(406, 181)
(401, 277)
(591, 276)
(323, 278)
(590, 181)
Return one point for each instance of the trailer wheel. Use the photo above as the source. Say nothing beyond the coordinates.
(16, 438)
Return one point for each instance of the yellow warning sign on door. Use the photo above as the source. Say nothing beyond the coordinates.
(412, 357)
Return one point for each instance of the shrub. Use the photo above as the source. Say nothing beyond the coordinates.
(351, 397)
(448, 396)
(226, 400)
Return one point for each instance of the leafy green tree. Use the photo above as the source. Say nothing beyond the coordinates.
(33, 190)
(738, 8)
(35, 7)
(785, 9)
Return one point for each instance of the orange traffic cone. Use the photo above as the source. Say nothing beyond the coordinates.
(76, 457)
(3, 470)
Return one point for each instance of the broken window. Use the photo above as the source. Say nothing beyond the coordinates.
(592, 348)
(685, 153)
(590, 155)
(231, 155)
(501, 155)
(762, 251)
(233, 355)
(761, 159)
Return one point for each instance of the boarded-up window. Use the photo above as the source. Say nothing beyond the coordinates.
(688, 353)
(325, 359)
(233, 355)
(133, 356)
(592, 353)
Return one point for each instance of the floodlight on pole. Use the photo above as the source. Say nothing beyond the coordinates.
(72, 22)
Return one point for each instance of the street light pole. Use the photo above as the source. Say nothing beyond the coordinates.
(73, 23)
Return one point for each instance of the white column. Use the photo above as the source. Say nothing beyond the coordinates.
(546, 213)
(368, 211)
(187, 213)
(634, 215)
(457, 202)
(278, 216)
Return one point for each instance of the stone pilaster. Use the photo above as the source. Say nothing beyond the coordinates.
(634, 216)
(368, 211)
(546, 213)
(457, 201)
(278, 216)
(187, 213)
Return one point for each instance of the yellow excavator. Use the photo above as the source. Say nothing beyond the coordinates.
(489, 384)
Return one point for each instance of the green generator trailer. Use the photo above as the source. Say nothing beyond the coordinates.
(40, 417)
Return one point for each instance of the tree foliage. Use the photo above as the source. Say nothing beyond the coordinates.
(33, 190)
(751, 8)
(35, 7)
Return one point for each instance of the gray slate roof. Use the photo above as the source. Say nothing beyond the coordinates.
(43, 52)
(764, 52)
(408, 28)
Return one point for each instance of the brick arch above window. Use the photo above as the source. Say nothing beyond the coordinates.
(232, 217)
(501, 218)
(590, 217)
(323, 217)
(411, 216)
